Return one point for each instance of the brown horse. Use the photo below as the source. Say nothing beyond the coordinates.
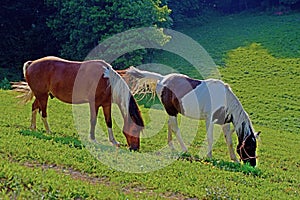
(93, 82)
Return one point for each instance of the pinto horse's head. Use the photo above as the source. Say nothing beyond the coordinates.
(133, 125)
(247, 148)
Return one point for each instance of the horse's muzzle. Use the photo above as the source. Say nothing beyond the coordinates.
(133, 149)
(251, 161)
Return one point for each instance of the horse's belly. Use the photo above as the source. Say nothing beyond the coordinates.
(192, 107)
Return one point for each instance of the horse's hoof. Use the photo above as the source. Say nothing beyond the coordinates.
(94, 141)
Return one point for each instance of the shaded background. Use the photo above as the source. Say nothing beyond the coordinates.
(70, 29)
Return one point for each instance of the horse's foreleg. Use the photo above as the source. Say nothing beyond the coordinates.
(228, 138)
(174, 126)
(107, 115)
(93, 120)
(209, 132)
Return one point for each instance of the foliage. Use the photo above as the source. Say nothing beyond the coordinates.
(186, 12)
(288, 2)
(4, 84)
(24, 35)
(86, 23)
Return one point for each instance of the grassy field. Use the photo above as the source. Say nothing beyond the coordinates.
(260, 61)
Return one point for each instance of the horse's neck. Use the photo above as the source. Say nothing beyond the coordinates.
(241, 123)
(122, 102)
(120, 92)
(240, 118)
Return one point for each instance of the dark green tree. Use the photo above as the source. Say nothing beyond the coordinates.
(24, 35)
(80, 25)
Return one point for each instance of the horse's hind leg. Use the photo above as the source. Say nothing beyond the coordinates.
(35, 108)
(228, 138)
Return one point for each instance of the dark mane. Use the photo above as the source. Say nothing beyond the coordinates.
(135, 113)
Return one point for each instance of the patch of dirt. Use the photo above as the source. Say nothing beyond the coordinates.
(77, 175)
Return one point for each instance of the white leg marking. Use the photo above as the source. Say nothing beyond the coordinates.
(174, 127)
(46, 124)
(228, 138)
(33, 120)
(112, 138)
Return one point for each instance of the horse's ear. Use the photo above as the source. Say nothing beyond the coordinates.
(131, 67)
(257, 134)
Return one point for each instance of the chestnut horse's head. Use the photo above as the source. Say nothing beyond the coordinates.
(133, 125)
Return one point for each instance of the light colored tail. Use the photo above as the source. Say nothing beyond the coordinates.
(144, 82)
(26, 93)
(25, 67)
(23, 87)
(144, 74)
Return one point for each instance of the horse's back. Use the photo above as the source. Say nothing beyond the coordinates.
(61, 77)
(198, 99)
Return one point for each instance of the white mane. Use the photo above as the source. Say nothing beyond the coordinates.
(239, 115)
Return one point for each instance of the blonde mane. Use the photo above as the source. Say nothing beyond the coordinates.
(120, 90)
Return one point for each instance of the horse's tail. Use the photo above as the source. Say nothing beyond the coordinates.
(25, 67)
(23, 87)
(144, 74)
(144, 82)
(26, 93)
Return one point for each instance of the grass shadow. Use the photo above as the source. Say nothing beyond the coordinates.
(72, 142)
(224, 165)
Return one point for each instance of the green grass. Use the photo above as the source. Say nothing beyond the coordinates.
(278, 34)
(53, 166)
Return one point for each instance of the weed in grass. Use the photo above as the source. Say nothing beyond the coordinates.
(215, 192)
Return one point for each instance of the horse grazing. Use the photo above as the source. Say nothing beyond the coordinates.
(94, 82)
(210, 99)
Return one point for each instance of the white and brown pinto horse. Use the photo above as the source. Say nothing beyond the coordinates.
(211, 100)
(93, 82)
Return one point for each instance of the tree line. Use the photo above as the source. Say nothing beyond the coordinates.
(71, 28)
